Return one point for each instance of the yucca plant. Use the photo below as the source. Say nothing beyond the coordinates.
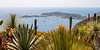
(23, 39)
(61, 39)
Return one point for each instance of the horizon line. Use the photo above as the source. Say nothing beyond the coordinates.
(49, 7)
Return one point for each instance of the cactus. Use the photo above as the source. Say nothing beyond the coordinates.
(70, 24)
(13, 20)
(98, 19)
(35, 26)
(88, 17)
(94, 18)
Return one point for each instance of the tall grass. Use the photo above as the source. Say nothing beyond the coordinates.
(62, 39)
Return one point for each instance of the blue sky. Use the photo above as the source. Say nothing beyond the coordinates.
(49, 3)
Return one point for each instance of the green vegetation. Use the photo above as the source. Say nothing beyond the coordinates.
(91, 31)
(61, 39)
(23, 39)
(83, 37)
(10, 22)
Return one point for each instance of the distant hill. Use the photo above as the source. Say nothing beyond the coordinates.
(64, 15)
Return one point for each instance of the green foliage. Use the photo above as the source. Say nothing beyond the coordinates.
(13, 23)
(35, 26)
(70, 26)
(23, 39)
(10, 22)
(90, 31)
(61, 39)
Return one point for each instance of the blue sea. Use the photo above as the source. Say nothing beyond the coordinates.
(46, 23)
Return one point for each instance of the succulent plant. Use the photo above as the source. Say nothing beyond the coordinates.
(70, 26)
(94, 18)
(98, 19)
(89, 17)
(23, 39)
(35, 26)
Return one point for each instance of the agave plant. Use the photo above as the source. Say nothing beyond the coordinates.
(23, 39)
(61, 39)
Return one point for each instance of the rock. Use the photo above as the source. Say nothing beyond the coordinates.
(84, 22)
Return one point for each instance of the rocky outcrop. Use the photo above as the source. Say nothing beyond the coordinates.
(84, 22)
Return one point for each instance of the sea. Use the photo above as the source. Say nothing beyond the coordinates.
(45, 23)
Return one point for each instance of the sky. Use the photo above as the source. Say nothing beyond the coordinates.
(49, 3)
